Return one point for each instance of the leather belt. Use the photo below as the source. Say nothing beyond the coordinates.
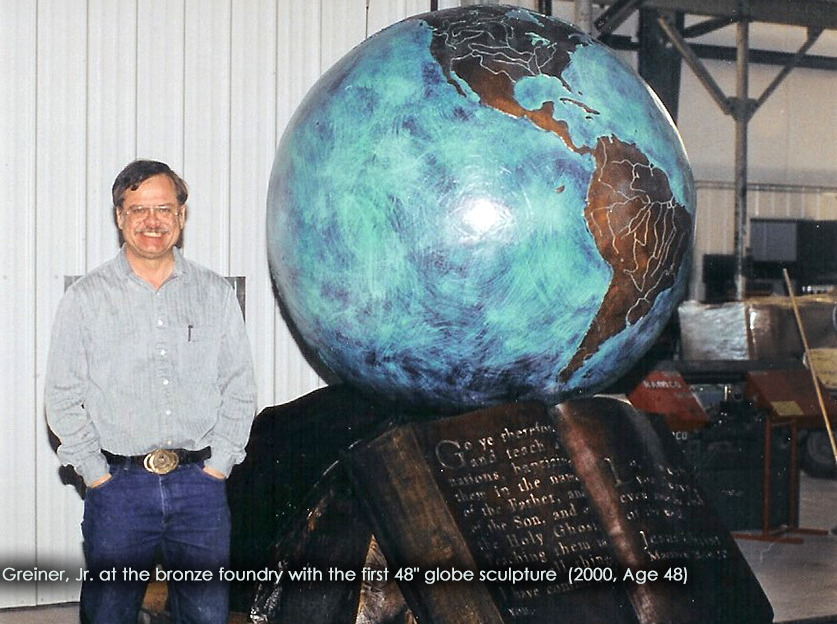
(159, 461)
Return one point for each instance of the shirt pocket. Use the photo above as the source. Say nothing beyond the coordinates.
(118, 359)
(200, 351)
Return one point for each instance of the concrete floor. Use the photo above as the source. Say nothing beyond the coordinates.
(799, 579)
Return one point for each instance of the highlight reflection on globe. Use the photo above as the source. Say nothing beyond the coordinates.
(478, 205)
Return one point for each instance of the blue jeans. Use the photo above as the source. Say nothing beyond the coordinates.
(182, 517)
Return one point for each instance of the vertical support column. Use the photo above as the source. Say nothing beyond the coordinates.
(583, 15)
(659, 62)
(742, 119)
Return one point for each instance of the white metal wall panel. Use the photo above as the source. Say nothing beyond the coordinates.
(382, 13)
(713, 230)
(810, 136)
(529, 4)
(252, 145)
(822, 206)
(17, 292)
(776, 204)
(207, 132)
(562, 10)
(714, 220)
(767, 133)
(707, 133)
(160, 80)
(299, 55)
(343, 24)
(61, 237)
(111, 117)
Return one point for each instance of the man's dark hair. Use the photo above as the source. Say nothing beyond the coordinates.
(138, 172)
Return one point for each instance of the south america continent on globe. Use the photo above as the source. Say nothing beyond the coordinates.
(478, 205)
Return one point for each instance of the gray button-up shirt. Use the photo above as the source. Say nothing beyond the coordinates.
(132, 369)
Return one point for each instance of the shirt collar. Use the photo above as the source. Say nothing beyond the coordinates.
(180, 265)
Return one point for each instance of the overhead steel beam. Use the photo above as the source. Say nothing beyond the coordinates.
(813, 35)
(764, 57)
(707, 26)
(725, 53)
(696, 65)
(615, 16)
(815, 13)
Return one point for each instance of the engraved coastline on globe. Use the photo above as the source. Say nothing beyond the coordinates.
(479, 205)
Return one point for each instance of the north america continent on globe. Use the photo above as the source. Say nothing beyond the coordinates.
(479, 205)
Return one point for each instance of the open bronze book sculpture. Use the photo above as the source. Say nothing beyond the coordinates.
(519, 513)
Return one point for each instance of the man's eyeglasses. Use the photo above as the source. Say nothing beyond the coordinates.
(166, 212)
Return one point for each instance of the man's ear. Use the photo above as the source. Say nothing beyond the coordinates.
(182, 216)
(119, 216)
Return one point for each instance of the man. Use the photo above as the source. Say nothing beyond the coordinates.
(150, 390)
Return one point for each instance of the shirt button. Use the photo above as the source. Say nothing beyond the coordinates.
(160, 322)
(165, 382)
(162, 351)
(168, 412)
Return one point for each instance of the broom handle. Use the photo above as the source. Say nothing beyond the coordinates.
(811, 367)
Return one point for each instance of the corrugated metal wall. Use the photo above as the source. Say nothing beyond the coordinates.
(208, 86)
(18, 380)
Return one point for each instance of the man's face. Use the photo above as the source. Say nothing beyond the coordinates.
(151, 235)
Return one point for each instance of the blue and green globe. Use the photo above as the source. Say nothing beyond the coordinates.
(479, 205)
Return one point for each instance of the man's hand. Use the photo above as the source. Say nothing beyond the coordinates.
(100, 481)
(214, 473)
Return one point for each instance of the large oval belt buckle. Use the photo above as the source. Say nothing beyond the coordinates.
(161, 461)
